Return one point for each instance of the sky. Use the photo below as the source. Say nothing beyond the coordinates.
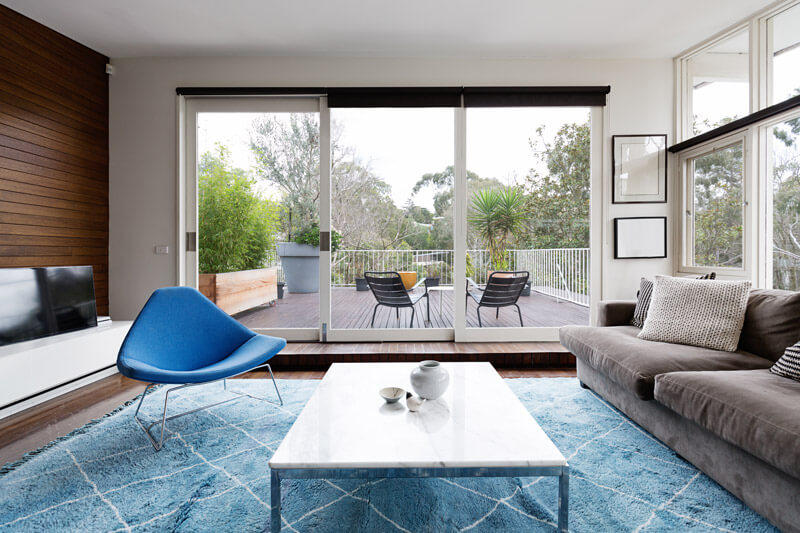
(400, 145)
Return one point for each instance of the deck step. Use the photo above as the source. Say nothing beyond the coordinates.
(312, 355)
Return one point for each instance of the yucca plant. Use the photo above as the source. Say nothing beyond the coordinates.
(497, 214)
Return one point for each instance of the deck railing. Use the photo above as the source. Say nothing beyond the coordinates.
(561, 273)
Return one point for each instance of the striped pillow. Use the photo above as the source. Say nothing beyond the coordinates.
(788, 365)
(642, 303)
(643, 296)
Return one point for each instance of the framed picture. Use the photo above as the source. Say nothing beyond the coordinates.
(640, 169)
(640, 237)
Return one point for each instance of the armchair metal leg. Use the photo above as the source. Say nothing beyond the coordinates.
(372, 324)
(164, 417)
(520, 316)
(158, 444)
(412, 316)
(497, 313)
(274, 384)
(479, 317)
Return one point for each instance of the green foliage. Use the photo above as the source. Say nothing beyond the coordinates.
(558, 201)
(496, 215)
(441, 233)
(237, 228)
(719, 207)
(786, 206)
(470, 270)
(310, 236)
(287, 156)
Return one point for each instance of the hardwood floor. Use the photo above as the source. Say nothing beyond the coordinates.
(353, 310)
(39, 425)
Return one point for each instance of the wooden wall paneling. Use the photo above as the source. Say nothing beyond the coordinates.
(53, 151)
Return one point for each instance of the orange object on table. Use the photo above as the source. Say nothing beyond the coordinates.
(409, 279)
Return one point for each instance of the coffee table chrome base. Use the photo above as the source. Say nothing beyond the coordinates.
(378, 473)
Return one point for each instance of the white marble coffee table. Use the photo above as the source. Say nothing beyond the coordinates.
(478, 428)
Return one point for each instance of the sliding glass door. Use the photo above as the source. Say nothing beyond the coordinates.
(391, 209)
(385, 223)
(253, 189)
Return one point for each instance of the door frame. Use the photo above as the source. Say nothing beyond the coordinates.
(187, 192)
(187, 264)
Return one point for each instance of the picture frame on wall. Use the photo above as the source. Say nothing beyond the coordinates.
(640, 169)
(640, 238)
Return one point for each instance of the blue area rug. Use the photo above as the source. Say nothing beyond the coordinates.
(212, 475)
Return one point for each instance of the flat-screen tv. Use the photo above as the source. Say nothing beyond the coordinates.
(39, 302)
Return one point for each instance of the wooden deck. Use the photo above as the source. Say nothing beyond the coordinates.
(352, 309)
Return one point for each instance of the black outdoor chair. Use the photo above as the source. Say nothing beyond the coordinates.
(502, 290)
(388, 289)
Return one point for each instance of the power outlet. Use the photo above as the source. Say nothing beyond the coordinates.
(162, 250)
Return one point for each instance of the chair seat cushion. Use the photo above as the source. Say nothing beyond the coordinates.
(753, 409)
(633, 363)
(254, 352)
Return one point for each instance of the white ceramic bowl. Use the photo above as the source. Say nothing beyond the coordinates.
(392, 394)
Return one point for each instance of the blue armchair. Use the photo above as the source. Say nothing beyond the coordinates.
(181, 337)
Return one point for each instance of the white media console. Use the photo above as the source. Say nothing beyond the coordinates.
(35, 371)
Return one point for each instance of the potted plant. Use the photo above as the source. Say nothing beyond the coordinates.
(358, 265)
(300, 259)
(497, 214)
(433, 275)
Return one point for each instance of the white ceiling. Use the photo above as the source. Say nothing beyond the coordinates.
(412, 28)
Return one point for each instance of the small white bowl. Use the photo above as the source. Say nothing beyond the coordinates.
(392, 394)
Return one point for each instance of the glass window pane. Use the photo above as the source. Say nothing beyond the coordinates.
(528, 197)
(785, 37)
(392, 203)
(785, 170)
(720, 83)
(258, 187)
(719, 207)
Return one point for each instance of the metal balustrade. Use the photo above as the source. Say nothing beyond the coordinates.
(561, 273)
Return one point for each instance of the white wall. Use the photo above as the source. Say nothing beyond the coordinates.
(143, 152)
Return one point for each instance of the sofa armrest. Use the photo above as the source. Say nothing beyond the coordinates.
(615, 312)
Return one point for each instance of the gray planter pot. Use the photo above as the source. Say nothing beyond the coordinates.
(300, 263)
(361, 284)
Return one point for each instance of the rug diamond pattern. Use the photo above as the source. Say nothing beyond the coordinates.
(213, 475)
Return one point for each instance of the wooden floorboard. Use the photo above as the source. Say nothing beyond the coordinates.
(351, 309)
(43, 423)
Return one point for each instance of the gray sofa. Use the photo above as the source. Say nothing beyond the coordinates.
(724, 412)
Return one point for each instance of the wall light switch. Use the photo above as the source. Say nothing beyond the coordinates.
(162, 250)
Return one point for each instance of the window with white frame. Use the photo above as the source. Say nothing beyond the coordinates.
(783, 54)
(714, 203)
(783, 206)
(719, 83)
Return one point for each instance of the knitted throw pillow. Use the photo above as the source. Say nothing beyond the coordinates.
(643, 296)
(697, 312)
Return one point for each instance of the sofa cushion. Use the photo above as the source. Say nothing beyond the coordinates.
(772, 322)
(697, 312)
(753, 409)
(634, 363)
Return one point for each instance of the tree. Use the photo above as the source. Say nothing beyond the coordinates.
(497, 214)
(441, 235)
(786, 206)
(558, 201)
(237, 227)
(287, 155)
(718, 207)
